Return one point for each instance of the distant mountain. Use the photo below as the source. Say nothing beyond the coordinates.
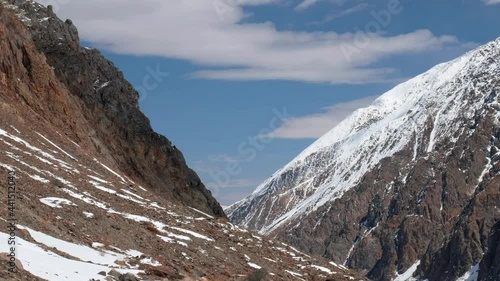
(98, 194)
(409, 186)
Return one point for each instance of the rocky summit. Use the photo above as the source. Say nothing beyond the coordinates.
(405, 189)
(92, 192)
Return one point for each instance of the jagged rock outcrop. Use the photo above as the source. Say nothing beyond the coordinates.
(490, 265)
(118, 130)
(410, 184)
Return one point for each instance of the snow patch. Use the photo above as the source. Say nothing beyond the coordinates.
(253, 265)
(407, 275)
(111, 171)
(53, 144)
(38, 178)
(55, 202)
(471, 275)
(198, 211)
(324, 269)
(102, 188)
(66, 269)
(88, 214)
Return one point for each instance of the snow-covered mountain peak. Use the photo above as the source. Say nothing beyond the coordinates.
(409, 94)
(420, 112)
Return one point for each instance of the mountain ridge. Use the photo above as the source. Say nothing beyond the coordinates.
(119, 130)
(421, 119)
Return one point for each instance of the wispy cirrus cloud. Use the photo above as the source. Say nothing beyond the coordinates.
(345, 12)
(306, 4)
(316, 125)
(210, 34)
(491, 2)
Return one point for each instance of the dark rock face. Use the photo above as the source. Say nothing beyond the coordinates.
(119, 130)
(434, 211)
(490, 266)
(390, 231)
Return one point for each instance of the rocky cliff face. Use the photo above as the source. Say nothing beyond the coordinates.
(117, 129)
(409, 186)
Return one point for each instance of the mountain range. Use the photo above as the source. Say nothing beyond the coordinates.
(406, 189)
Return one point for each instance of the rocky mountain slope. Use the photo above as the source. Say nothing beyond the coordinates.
(116, 127)
(99, 195)
(408, 187)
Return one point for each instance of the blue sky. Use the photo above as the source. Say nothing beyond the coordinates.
(251, 83)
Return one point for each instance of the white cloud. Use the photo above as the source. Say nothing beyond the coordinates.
(346, 12)
(224, 158)
(491, 2)
(210, 34)
(306, 4)
(316, 125)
